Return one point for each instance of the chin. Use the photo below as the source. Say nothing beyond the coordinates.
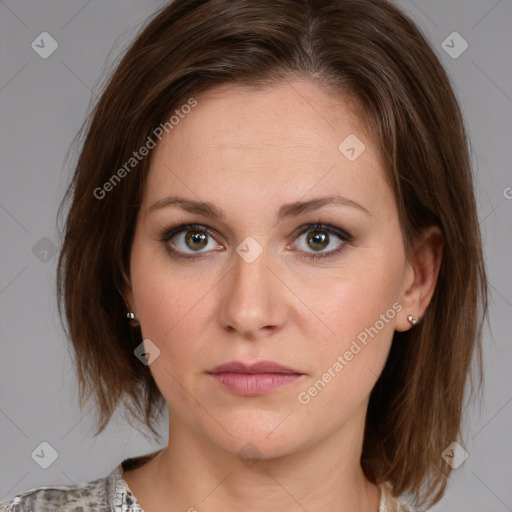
(260, 438)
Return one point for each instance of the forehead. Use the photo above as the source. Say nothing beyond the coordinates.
(286, 113)
(286, 139)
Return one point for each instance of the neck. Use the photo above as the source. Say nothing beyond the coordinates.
(193, 474)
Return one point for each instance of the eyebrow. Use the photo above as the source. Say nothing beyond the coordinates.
(287, 210)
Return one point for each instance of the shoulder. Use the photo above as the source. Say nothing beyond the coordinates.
(87, 496)
(108, 494)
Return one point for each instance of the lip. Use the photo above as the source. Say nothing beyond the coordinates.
(257, 367)
(253, 379)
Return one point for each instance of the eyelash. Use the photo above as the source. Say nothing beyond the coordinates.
(174, 229)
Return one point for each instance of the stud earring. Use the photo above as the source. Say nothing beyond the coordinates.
(132, 319)
(412, 320)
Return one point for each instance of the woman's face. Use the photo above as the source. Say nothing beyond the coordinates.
(264, 284)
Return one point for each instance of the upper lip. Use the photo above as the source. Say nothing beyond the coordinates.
(257, 367)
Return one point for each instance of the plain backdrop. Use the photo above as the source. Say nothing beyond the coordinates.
(43, 102)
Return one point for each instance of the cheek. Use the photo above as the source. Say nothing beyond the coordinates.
(168, 300)
(346, 368)
(360, 306)
(172, 320)
(361, 320)
(355, 296)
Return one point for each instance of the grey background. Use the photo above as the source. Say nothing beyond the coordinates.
(42, 105)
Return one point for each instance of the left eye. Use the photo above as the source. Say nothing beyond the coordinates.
(321, 239)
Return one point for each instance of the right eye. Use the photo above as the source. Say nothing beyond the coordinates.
(187, 240)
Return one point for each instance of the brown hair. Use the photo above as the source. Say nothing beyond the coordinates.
(364, 49)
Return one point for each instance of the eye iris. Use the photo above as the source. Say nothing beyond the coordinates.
(320, 239)
(197, 238)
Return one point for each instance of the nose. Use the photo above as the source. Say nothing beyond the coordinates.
(253, 300)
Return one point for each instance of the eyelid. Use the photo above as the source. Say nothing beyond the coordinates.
(174, 229)
(344, 235)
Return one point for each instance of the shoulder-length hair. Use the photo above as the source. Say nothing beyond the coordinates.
(367, 50)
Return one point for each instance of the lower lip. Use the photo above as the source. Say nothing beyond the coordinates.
(253, 384)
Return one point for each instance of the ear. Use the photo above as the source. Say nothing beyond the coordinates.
(420, 276)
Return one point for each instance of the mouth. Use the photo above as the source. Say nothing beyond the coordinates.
(253, 379)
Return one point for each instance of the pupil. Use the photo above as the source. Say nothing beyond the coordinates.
(318, 238)
(198, 239)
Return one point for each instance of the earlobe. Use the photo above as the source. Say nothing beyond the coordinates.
(422, 280)
(130, 315)
(412, 320)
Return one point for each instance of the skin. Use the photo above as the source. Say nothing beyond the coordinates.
(249, 152)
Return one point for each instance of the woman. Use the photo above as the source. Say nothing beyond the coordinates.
(273, 231)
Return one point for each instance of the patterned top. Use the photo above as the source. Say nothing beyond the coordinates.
(112, 494)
